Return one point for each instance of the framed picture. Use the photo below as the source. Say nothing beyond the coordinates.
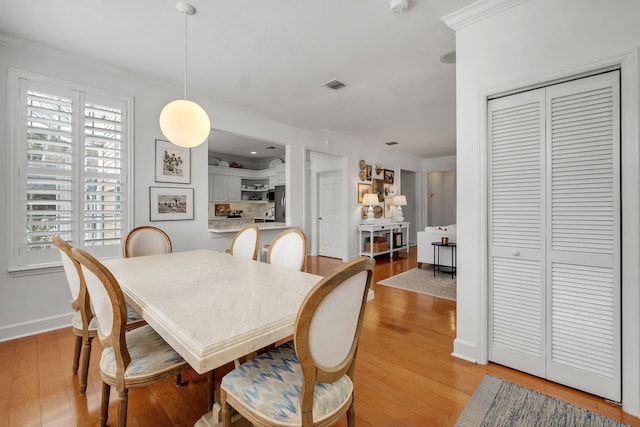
(173, 163)
(388, 208)
(368, 169)
(378, 188)
(222, 208)
(388, 176)
(170, 203)
(362, 190)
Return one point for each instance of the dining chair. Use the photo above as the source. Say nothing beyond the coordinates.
(289, 249)
(129, 359)
(83, 322)
(308, 381)
(245, 243)
(146, 240)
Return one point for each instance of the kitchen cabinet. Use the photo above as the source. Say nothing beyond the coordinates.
(224, 188)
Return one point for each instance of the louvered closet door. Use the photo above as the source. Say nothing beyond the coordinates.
(516, 232)
(583, 236)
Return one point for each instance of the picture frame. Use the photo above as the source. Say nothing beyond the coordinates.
(368, 170)
(388, 207)
(378, 188)
(173, 163)
(222, 208)
(170, 203)
(362, 190)
(388, 176)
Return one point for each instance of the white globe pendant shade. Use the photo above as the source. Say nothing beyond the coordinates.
(185, 123)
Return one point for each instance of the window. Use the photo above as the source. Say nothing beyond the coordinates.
(70, 149)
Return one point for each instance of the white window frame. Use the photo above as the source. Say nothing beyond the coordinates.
(18, 262)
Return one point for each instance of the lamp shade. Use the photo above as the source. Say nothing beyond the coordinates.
(400, 201)
(370, 199)
(185, 123)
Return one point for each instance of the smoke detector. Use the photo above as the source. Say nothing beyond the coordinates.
(399, 6)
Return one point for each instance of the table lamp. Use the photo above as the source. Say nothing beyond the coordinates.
(398, 202)
(370, 199)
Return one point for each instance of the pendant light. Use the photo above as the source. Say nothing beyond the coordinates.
(184, 122)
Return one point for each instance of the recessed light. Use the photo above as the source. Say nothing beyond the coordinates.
(254, 152)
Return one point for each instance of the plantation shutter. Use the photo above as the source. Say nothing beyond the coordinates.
(104, 174)
(583, 193)
(554, 233)
(69, 171)
(516, 130)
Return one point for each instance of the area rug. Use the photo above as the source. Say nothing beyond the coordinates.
(422, 280)
(499, 403)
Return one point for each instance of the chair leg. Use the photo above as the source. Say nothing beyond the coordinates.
(76, 354)
(104, 408)
(178, 379)
(226, 409)
(351, 415)
(123, 398)
(84, 370)
(419, 265)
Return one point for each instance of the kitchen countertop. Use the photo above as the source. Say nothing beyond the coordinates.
(234, 227)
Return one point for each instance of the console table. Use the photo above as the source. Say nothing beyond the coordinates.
(368, 233)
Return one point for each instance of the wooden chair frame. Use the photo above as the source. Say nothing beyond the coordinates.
(274, 243)
(84, 336)
(116, 339)
(125, 247)
(312, 372)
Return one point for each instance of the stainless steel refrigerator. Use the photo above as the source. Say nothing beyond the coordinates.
(280, 202)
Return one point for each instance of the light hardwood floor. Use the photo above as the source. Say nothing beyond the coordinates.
(405, 374)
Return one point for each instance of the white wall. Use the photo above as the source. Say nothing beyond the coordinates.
(532, 43)
(33, 303)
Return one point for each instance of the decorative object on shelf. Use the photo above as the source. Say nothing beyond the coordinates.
(235, 164)
(378, 188)
(388, 210)
(445, 240)
(223, 163)
(370, 199)
(173, 163)
(170, 203)
(362, 164)
(362, 175)
(388, 176)
(378, 169)
(398, 202)
(362, 190)
(221, 209)
(275, 162)
(184, 122)
(368, 172)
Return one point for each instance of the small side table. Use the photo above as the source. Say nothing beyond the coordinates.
(436, 257)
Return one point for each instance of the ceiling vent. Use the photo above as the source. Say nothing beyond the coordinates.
(334, 84)
(271, 147)
(391, 143)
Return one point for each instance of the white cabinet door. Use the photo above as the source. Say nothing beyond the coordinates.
(219, 188)
(233, 188)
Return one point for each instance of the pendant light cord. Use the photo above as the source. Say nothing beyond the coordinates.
(185, 54)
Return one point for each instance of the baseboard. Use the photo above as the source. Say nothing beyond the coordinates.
(20, 330)
(464, 350)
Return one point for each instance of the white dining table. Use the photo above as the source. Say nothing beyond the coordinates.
(213, 307)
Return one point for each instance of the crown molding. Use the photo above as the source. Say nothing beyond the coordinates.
(477, 11)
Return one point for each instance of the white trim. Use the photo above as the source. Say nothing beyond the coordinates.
(37, 326)
(630, 95)
(477, 11)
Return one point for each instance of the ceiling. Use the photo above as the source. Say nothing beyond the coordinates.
(272, 57)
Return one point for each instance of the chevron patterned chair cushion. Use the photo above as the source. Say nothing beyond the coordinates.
(149, 353)
(270, 384)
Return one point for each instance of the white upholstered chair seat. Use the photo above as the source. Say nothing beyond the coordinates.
(270, 385)
(150, 355)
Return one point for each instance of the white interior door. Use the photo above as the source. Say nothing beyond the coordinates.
(330, 214)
